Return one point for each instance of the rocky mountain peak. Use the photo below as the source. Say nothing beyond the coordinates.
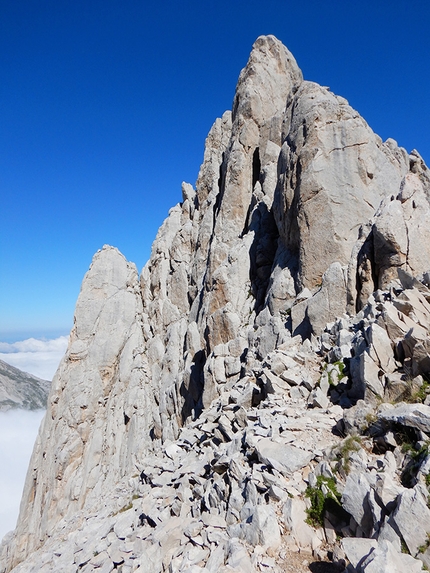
(285, 299)
(265, 83)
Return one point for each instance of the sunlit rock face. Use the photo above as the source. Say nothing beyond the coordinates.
(299, 213)
(90, 436)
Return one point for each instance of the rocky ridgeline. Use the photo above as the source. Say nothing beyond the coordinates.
(261, 389)
(19, 389)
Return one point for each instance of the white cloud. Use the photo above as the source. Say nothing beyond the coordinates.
(38, 357)
(18, 431)
(18, 428)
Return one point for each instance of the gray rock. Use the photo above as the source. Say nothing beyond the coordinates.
(318, 399)
(294, 515)
(264, 528)
(290, 222)
(412, 415)
(412, 519)
(396, 229)
(355, 500)
(283, 457)
(358, 417)
(387, 531)
(216, 559)
(368, 380)
(381, 350)
(388, 490)
(385, 559)
(238, 558)
(357, 549)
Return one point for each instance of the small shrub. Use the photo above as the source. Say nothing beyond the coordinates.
(422, 393)
(416, 455)
(403, 546)
(423, 548)
(126, 507)
(319, 500)
(335, 374)
(340, 366)
(371, 418)
(414, 458)
(349, 445)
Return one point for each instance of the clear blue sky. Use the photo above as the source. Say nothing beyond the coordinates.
(105, 106)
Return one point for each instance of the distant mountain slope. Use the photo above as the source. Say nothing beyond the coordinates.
(19, 389)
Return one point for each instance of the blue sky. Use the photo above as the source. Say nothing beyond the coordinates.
(105, 106)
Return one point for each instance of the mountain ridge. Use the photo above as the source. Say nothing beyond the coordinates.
(258, 281)
(19, 389)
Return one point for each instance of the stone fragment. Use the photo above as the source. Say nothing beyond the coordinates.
(357, 549)
(124, 526)
(294, 514)
(385, 559)
(370, 380)
(388, 531)
(355, 500)
(380, 347)
(412, 519)
(318, 399)
(358, 417)
(261, 528)
(216, 559)
(388, 490)
(412, 415)
(283, 457)
(238, 558)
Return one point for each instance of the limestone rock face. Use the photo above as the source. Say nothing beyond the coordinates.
(299, 213)
(98, 417)
(334, 173)
(400, 232)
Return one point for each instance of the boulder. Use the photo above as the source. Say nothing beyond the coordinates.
(412, 519)
(355, 500)
(412, 415)
(385, 559)
(285, 458)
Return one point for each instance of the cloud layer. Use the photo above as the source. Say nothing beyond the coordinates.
(18, 428)
(38, 357)
(18, 431)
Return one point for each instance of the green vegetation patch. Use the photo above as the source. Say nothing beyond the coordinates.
(423, 548)
(323, 497)
(422, 393)
(349, 445)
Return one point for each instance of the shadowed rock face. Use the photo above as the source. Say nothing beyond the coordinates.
(300, 211)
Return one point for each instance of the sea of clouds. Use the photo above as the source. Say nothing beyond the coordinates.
(18, 428)
(38, 357)
(18, 431)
